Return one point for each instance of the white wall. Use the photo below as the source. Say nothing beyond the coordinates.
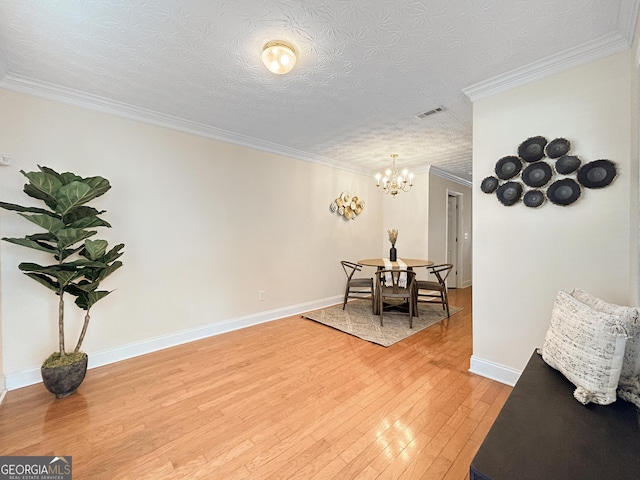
(635, 156)
(206, 225)
(523, 256)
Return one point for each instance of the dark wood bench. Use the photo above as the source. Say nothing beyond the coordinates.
(543, 433)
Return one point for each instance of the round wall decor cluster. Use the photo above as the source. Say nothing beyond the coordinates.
(532, 179)
(347, 206)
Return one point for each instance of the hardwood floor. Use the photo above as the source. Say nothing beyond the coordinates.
(289, 399)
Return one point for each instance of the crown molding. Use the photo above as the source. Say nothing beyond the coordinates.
(431, 169)
(448, 176)
(627, 18)
(588, 52)
(421, 169)
(96, 103)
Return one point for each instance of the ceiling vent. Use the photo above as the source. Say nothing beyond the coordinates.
(433, 111)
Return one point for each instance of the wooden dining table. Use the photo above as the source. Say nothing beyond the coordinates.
(411, 263)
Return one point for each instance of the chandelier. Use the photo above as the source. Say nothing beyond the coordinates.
(392, 182)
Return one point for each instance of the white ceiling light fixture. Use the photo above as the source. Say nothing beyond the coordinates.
(279, 56)
(393, 183)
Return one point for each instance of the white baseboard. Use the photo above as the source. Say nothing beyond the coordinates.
(3, 388)
(494, 371)
(32, 376)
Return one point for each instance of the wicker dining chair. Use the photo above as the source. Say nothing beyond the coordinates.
(435, 291)
(356, 287)
(388, 286)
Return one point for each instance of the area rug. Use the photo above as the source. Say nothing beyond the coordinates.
(358, 320)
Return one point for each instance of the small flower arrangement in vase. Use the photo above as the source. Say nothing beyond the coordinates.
(393, 237)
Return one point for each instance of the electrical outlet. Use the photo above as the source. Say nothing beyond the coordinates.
(5, 161)
(261, 295)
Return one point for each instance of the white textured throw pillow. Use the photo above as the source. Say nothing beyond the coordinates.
(587, 346)
(629, 383)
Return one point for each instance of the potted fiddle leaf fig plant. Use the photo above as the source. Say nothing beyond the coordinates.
(78, 263)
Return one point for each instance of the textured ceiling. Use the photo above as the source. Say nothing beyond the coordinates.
(365, 68)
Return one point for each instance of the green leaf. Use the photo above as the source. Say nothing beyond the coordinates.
(99, 186)
(69, 236)
(109, 270)
(31, 244)
(79, 213)
(62, 273)
(32, 267)
(99, 274)
(84, 264)
(72, 195)
(67, 252)
(48, 269)
(78, 193)
(44, 280)
(90, 222)
(86, 300)
(92, 274)
(49, 170)
(43, 237)
(43, 182)
(64, 277)
(39, 195)
(49, 223)
(82, 287)
(113, 254)
(95, 249)
(67, 177)
(20, 208)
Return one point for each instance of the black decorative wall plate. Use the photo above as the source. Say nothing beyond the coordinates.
(489, 185)
(508, 167)
(597, 174)
(533, 198)
(557, 147)
(509, 193)
(564, 192)
(567, 164)
(537, 174)
(532, 149)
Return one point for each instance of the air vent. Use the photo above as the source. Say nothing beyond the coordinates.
(433, 111)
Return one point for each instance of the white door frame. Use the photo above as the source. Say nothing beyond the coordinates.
(457, 260)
